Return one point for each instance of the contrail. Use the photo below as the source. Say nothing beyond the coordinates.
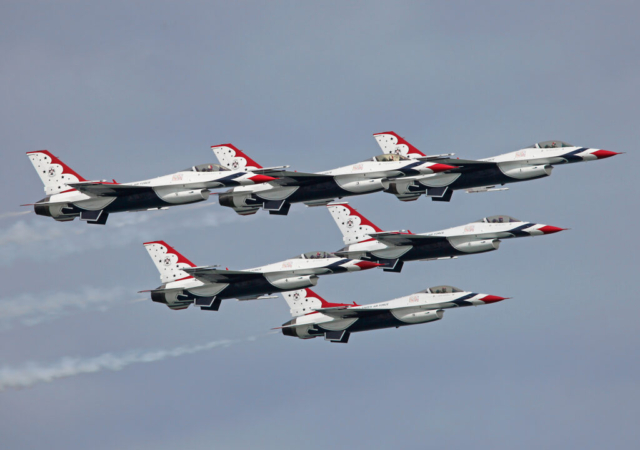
(40, 238)
(14, 214)
(31, 309)
(33, 372)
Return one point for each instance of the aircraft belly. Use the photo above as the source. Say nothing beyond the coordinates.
(440, 249)
(319, 191)
(136, 202)
(391, 252)
(376, 322)
(255, 286)
(479, 178)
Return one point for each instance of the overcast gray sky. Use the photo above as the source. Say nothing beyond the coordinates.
(131, 90)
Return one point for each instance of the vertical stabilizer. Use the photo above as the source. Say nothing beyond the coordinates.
(54, 173)
(168, 261)
(353, 225)
(390, 142)
(305, 301)
(234, 158)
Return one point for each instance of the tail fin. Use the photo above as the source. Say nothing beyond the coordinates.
(234, 158)
(390, 142)
(168, 261)
(305, 301)
(54, 173)
(353, 225)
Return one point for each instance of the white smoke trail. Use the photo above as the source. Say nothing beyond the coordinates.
(14, 214)
(41, 238)
(33, 372)
(32, 309)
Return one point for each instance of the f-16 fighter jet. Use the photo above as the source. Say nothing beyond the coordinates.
(364, 240)
(484, 175)
(183, 283)
(313, 316)
(316, 189)
(69, 195)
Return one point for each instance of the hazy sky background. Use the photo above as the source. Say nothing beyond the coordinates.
(132, 90)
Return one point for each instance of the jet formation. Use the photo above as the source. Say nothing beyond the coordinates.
(401, 170)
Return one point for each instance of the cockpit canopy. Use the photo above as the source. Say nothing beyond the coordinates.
(444, 289)
(315, 255)
(551, 144)
(390, 157)
(498, 219)
(206, 168)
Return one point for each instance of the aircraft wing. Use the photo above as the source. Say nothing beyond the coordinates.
(394, 238)
(209, 274)
(288, 178)
(466, 165)
(344, 312)
(100, 189)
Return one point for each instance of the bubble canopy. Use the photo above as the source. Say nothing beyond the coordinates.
(206, 168)
(315, 255)
(498, 219)
(443, 289)
(551, 144)
(389, 157)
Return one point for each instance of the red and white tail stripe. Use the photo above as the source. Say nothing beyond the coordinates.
(353, 225)
(54, 173)
(390, 142)
(234, 158)
(305, 301)
(168, 261)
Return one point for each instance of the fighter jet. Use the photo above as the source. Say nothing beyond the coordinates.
(184, 283)
(313, 316)
(69, 195)
(315, 189)
(484, 175)
(364, 240)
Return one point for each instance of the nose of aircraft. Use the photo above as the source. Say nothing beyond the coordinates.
(492, 299)
(548, 229)
(365, 265)
(602, 154)
(441, 167)
(261, 178)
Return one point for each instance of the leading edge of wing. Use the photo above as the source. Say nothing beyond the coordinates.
(101, 189)
(406, 239)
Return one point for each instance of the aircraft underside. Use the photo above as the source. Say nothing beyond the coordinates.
(97, 211)
(250, 288)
